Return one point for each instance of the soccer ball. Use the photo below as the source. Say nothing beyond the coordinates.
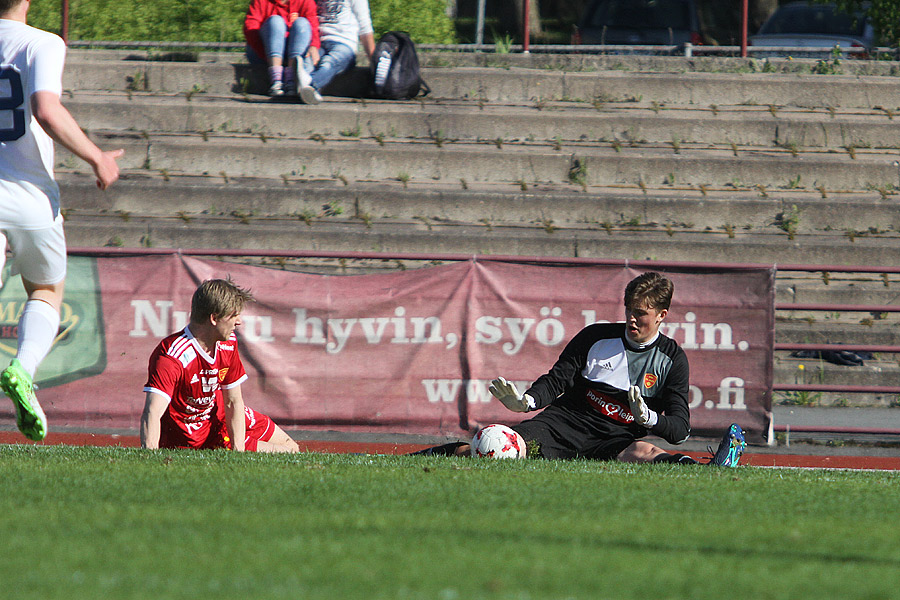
(498, 441)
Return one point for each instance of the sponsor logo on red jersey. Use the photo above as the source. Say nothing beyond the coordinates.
(222, 373)
(610, 407)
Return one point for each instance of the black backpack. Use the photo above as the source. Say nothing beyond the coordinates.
(395, 68)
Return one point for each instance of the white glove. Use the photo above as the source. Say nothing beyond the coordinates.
(642, 414)
(506, 392)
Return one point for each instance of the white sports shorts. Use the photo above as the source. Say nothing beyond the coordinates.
(39, 255)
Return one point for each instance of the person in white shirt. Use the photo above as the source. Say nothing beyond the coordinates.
(32, 117)
(343, 26)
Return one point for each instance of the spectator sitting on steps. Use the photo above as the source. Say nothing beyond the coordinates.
(280, 33)
(344, 24)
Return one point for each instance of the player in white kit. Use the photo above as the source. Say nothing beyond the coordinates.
(32, 117)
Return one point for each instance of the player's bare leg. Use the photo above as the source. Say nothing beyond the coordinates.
(642, 452)
(279, 442)
(38, 327)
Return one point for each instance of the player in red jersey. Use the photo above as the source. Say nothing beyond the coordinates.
(194, 385)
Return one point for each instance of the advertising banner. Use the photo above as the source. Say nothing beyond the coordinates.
(405, 352)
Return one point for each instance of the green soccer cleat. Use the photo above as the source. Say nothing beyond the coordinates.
(17, 384)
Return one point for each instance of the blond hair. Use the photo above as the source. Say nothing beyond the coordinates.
(650, 288)
(220, 298)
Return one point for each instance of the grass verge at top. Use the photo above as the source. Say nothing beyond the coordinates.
(83, 522)
(217, 20)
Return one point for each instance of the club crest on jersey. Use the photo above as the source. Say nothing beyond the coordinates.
(222, 373)
(649, 380)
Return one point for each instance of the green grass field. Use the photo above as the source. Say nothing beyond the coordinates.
(125, 523)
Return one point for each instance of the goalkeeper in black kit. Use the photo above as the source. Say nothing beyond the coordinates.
(612, 385)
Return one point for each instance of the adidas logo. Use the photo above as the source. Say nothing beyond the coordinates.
(195, 379)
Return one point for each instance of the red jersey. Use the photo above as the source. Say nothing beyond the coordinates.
(192, 380)
(260, 10)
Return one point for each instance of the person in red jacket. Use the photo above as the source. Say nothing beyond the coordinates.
(280, 33)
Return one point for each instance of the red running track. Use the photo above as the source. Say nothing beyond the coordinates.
(888, 463)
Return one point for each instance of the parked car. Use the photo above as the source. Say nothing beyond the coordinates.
(807, 25)
(639, 22)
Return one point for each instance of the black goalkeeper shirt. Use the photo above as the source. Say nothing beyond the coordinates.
(596, 368)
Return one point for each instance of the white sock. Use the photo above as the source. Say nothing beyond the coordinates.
(38, 327)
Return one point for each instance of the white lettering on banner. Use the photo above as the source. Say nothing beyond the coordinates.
(729, 388)
(313, 330)
(477, 390)
(157, 320)
(257, 329)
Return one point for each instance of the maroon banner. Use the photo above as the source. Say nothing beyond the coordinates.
(406, 352)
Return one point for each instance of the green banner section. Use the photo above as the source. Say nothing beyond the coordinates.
(79, 349)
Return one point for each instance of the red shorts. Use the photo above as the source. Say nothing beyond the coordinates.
(213, 433)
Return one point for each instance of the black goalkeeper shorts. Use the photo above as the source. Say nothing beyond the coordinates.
(561, 433)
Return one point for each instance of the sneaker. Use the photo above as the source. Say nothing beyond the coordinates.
(17, 384)
(307, 93)
(730, 448)
(275, 89)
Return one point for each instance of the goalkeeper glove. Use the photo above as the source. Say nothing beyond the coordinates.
(642, 414)
(506, 392)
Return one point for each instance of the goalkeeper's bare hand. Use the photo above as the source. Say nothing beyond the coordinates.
(642, 413)
(506, 392)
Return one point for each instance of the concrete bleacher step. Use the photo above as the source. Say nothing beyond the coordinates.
(673, 210)
(261, 155)
(229, 74)
(853, 131)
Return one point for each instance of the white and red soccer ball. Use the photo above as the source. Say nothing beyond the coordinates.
(498, 441)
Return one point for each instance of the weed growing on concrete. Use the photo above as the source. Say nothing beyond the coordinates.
(851, 150)
(791, 147)
(499, 142)
(655, 106)
(403, 178)
(887, 111)
(826, 277)
(548, 225)
(789, 221)
(379, 137)
(487, 223)
(773, 110)
(242, 215)
(366, 218)
(578, 172)
(523, 185)
(137, 82)
(886, 280)
(669, 179)
(165, 174)
(424, 220)
(734, 148)
(831, 111)
(794, 183)
(184, 216)
(851, 234)
(617, 145)
(762, 191)
(306, 215)
(729, 229)
(351, 132)
(340, 177)
(669, 231)
(715, 109)
(332, 209)
(822, 190)
(146, 241)
(703, 189)
(196, 89)
(463, 183)
(317, 137)
(114, 242)
(438, 138)
(124, 215)
(676, 145)
(642, 185)
(263, 137)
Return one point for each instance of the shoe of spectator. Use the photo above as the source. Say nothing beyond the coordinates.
(731, 448)
(17, 384)
(275, 89)
(307, 93)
